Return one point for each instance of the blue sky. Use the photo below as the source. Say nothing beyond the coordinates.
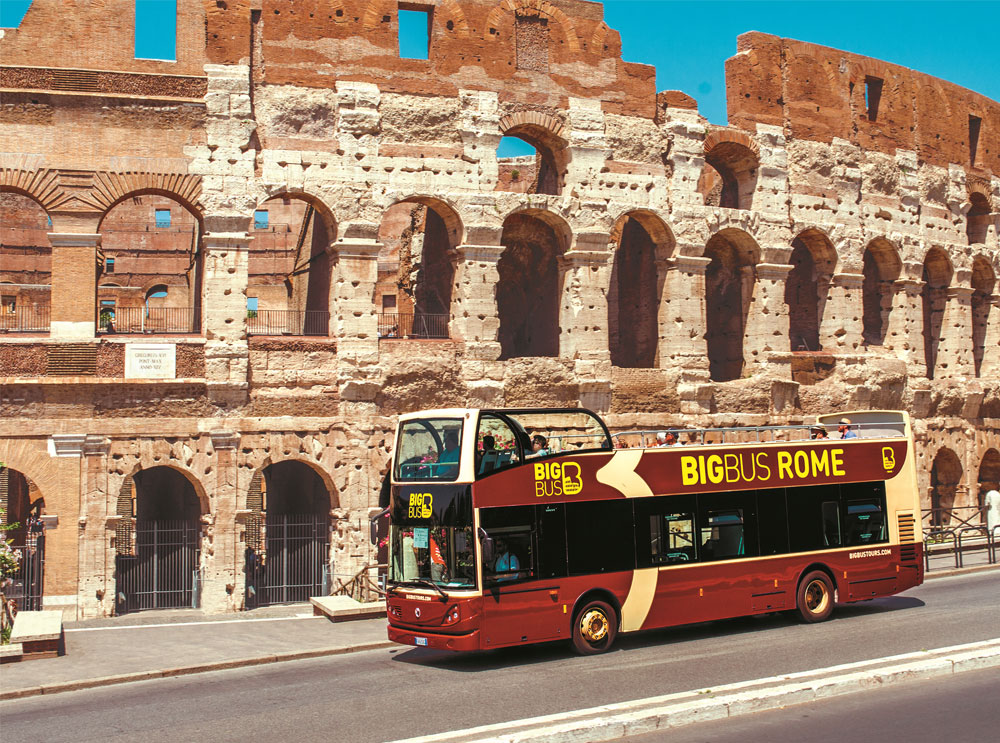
(688, 41)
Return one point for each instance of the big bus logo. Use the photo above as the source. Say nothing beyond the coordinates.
(421, 505)
(888, 459)
(557, 478)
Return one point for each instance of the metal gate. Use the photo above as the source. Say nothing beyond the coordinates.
(293, 565)
(25, 588)
(163, 572)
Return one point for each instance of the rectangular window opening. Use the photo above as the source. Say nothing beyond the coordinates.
(873, 96)
(162, 217)
(388, 302)
(252, 303)
(156, 30)
(109, 265)
(9, 303)
(260, 219)
(414, 31)
(975, 124)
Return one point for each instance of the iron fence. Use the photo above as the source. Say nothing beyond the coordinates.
(288, 322)
(147, 320)
(26, 588)
(163, 571)
(30, 319)
(412, 325)
(955, 517)
(294, 564)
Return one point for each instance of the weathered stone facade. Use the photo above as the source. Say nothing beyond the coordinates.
(835, 247)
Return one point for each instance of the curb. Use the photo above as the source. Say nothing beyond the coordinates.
(223, 665)
(928, 575)
(622, 720)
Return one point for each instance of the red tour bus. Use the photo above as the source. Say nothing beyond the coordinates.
(495, 542)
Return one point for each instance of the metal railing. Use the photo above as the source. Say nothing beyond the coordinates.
(30, 319)
(25, 588)
(288, 322)
(644, 438)
(147, 320)
(164, 571)
(954, 517)
(412, 325)
(960, 542)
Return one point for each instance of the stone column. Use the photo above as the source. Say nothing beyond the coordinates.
(681, 316)
(990, 367)
(583, 310)
(352, 304)
(954, 358)
(841, 325)
(224, 314)
(474, 316)
(96, 595)
(74, 285)
(767, 328)
(223, 577)
(905, 335)
(62, 536)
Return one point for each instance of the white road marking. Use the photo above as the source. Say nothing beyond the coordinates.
(191, 624)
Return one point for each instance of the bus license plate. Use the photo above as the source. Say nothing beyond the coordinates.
(421, 641)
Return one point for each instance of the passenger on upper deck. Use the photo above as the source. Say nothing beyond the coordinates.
(539, 446)
(844, 427)
(818, 432)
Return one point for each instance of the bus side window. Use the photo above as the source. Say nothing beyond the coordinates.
(865, 522)
(672, 538)
(831, 523)
(722, 537)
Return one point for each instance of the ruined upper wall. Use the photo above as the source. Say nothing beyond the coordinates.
(99, 35)
(818, 93)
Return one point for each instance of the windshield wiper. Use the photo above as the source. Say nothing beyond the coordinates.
(432, 584)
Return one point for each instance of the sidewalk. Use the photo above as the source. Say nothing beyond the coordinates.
(100, 652)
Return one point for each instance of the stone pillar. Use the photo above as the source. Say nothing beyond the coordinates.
(74, 285)
(583, 311)
(224, 314)
(990, 367)
(954, 358)
(767, 316)
(474, 316)
(352, 302)
(905, 335)
(61, 577)
(96, 597)
(842, 325)
(681, 316)
(223, 582)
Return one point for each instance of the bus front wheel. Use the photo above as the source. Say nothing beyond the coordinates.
(815, 597)
(595, 627)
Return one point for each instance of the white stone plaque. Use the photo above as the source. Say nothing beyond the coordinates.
(150, 361)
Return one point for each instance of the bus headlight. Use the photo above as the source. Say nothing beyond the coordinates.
(452, 615)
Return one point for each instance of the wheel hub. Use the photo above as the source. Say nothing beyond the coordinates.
(816, 596)
(594, 625)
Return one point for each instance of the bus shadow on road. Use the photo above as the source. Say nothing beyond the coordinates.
(548, 652)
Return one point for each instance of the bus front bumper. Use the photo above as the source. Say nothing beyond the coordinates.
(430, 640)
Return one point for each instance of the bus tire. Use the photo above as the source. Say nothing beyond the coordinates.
(595, 626)
(814, 599)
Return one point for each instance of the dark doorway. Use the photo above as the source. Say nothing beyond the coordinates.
(729, 284)
(633, 299)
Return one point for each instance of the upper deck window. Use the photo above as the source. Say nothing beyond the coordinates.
(429, 449)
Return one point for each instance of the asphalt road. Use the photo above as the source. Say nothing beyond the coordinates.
(390, 694)
(963, 709)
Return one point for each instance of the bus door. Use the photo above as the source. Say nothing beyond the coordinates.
(522, 596)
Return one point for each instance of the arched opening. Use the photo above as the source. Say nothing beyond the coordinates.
(807, 287)
(531, 159)
(158, 541)
(290, 268)
(989, 477)
(881, 269)
(416, 271)
(635, 290)
(528, 289)
(288, 535)
(946, 475)
(978, 218)
(983, 286)
(149, 240)
(934, 299)
(729, 285)
(729, 177)
(21, 509)
(25, 264)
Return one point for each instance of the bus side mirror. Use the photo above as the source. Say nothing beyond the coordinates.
(373, 525)
(487, 543)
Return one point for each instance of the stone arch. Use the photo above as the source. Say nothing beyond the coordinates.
(529, 287)
(533, 9)
(937, 275)
(984, 283)
(807, 287)
(323, 482)
(881, 268)
(545, 134)
(22, 503)
(977, 218)
(198, 488)
(38, 185)
(290, 265)
(946, 478)
(989, 474)
(729, 284)
(29, 457)
(641, 243)
(732, 161)
(25, 261)
(417, 259)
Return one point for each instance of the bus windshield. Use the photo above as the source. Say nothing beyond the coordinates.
(428, 449)
(431, 538)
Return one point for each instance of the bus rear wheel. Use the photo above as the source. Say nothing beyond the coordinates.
(815, 597)
(595, 627)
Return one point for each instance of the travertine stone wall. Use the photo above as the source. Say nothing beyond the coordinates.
(324, 111)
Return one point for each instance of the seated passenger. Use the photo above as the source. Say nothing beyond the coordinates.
(449, 455)
(845, 429)
(539, 446)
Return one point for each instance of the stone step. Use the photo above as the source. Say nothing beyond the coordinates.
(345, 609)
(40, 634)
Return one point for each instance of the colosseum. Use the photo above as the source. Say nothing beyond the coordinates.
(224, 275)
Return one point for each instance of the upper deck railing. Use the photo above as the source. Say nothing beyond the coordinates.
(647, 438)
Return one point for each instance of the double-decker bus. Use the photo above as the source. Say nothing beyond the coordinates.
(509, 527)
